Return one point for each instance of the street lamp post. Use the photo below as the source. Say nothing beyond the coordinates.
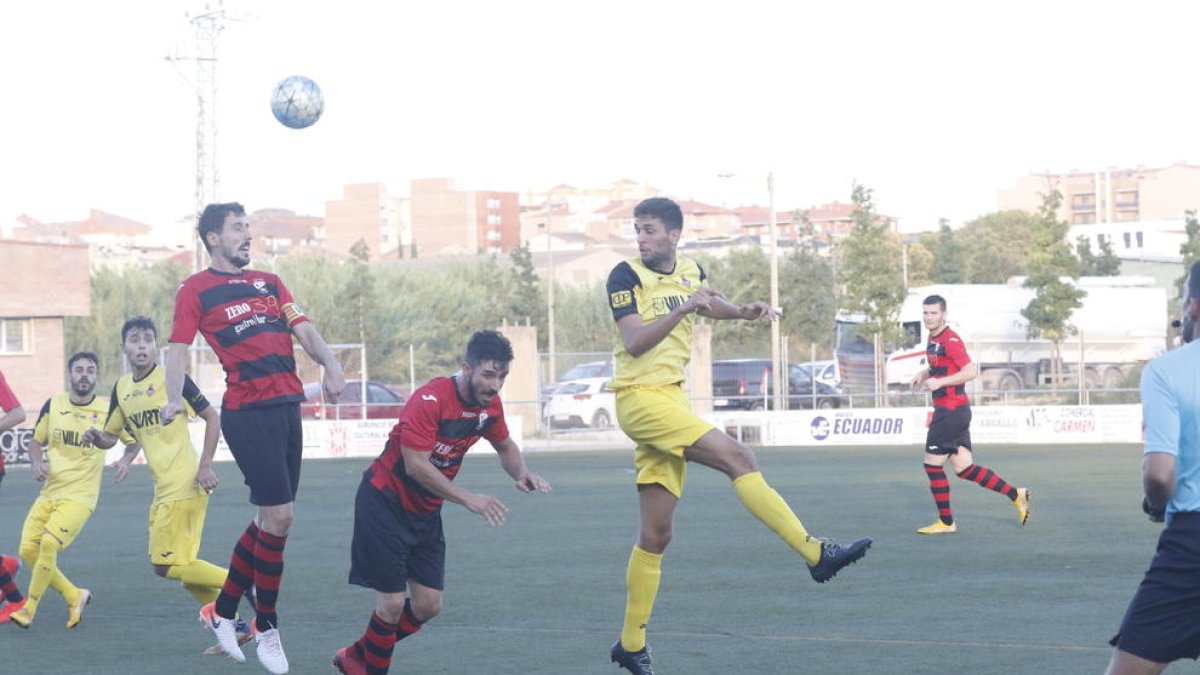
(776, 369)
(550, 299)
(776, 366)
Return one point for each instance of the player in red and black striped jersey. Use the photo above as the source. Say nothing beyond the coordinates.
(10, 594)
(249, 318)
(948, 370)
(398, 544)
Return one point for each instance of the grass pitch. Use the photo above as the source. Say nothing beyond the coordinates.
(545, 592)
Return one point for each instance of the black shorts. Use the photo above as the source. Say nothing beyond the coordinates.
(392, 545)
(949, 430)
(267, 444)
(1162, 623)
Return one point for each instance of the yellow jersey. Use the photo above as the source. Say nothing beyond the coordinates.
(76, 470)
(634, 288)
(168, 447)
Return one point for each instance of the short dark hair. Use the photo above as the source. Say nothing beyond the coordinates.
(213, 219)
(138, 323)
(80, 356)
(488, 345)
(935, 300)
(662, 208)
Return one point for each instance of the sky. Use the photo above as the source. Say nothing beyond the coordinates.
(934, 105)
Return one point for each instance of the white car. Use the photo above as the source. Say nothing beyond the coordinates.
(823, 371)
(586, 402)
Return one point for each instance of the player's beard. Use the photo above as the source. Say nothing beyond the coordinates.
(83, 388)
(476, 392)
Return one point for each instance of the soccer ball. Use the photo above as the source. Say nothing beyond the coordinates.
(297, 102)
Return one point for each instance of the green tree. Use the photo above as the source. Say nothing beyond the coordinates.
(997, 246)
(1190, 249)
(1104, 264)
(950, 261)
(1051, 262)
(117, 295)
(527, 301)
(871, 275)
(806, 292)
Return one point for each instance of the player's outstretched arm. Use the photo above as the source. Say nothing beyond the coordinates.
(12, 417)
(314, 345)
(177, 353)
(418, 467)
(205, 477)
(514, 464)
(720, 308)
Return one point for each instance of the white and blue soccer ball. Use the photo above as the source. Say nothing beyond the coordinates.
(297, 102)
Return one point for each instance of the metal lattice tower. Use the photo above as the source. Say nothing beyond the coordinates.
(208, 25)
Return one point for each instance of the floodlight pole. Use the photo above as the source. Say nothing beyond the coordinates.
(776, 367)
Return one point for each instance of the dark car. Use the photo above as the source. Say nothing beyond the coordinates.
(744, 384)
(383, 402)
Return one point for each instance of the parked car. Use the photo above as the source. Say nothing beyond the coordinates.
(383, 402)
(586, 402)
(823, 371)
(743, 384)
(581, 371)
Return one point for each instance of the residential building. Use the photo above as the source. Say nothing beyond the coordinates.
(1112, 195)
(365, 212)
(451, 222)
(32, 329)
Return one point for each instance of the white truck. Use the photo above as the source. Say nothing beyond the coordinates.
(1122, 322)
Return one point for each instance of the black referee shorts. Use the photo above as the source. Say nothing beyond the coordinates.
(1162, 623)
(267, 444)
(949, 430)
(391, 545)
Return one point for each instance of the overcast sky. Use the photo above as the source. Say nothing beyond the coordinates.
(935, 105)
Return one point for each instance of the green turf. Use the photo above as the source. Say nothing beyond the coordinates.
(545, 593)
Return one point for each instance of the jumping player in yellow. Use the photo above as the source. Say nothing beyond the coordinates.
(182, 482)
(654, 299)
(72, 487)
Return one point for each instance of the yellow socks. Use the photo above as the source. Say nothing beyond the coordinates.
(766, 505)
(200, 578)
(641, 586)
(46, 574)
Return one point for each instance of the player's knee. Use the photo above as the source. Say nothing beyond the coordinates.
(427, 608)
(655, 538)
(28, 553)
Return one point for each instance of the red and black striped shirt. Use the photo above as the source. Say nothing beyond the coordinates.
(438, 421)
(947, 355)
(247, 319)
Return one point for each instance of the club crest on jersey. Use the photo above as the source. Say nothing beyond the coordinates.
(483, 417)
(261, 286)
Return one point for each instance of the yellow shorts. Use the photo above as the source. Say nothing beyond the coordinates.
(175, 530)
(660, 420)
(61, 518)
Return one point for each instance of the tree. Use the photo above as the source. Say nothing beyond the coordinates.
(118, 295)
(1190, 249)
(997, 246)
(807, 294)
(527, 300)
(950, 261)
(871, 275)
(1106, 264)
(1051, 261)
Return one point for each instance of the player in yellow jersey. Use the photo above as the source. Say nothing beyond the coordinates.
(71, 469)
(654, 299)
(182, 481)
